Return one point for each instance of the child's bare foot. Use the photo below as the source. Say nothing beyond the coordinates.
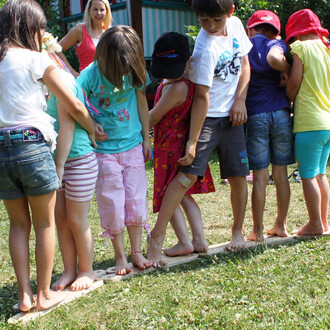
(122, 267)
(65, 280)
(26, 302)
(49, 299)
(325, 225)
(83, 281)
(200, 246)
(256, 235)
(237, 243)
(138, 260)
(278, 231)
(154, 253)
(179, 249)
(311, 229)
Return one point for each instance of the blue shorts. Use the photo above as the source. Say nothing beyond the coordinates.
(269, 139)
(312, 152)
(228, 140)
(26, 166)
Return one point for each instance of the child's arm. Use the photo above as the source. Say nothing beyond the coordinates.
(238, 113)
(144, 119)
(172, 96)
(75, 108)
(199, 110)
(295, 79)
(277, 61)
(64, 139)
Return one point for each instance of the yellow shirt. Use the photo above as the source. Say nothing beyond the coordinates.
(312, 104)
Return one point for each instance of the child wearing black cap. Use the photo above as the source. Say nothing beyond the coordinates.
(170, 119)
(269, 137)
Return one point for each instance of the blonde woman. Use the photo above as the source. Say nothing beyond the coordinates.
(85, 36)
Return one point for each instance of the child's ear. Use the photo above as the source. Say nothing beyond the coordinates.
(231, 11)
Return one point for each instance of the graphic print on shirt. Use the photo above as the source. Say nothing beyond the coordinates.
(228, 63)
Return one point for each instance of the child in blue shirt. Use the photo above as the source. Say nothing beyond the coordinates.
(269, 124)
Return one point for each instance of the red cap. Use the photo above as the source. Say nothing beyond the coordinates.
(303, 22)
(264, 17)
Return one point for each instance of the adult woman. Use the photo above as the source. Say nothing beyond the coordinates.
(85, 36)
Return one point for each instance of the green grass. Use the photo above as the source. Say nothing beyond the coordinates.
(266, 287)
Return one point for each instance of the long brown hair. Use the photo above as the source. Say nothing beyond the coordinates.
(20, 22)
(118, 53)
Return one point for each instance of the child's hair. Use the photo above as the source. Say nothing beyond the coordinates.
(118, 53)
(265, 21)
(212, 8)
(20, 22)
(88, 20)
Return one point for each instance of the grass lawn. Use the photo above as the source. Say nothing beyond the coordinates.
(265, 287)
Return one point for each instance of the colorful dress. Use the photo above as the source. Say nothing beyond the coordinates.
(170, 137)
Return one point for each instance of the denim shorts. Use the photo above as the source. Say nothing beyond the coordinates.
(269, 139)
(229, 142)
(312, 152)
(26, 166)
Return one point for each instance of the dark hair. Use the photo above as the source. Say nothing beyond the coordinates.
(212, 8)
(20, 22)
(266, 28)
(118, 53)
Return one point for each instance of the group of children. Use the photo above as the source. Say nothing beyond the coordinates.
(202, 103)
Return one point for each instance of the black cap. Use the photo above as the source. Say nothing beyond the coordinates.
(171, 53)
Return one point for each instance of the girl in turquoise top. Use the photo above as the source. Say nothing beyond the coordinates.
(309, 87)
(115, 84)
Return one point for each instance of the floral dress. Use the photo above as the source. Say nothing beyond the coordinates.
(170, 137)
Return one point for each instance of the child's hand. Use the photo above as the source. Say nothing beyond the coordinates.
(284, 79)
(146, 150)
(99, 133)
(188, 158)
(238, 113)
(60, 172)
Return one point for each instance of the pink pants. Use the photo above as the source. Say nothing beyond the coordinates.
(121, 191)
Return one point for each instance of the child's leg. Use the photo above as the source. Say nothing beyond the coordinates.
(44, 226)
(67, 244)
(312, 196)
(238, 197)
(122, 267)
(280, 176)
(20, 227)
(172, 198)
(258, 200)
(77, 215)
(324, 189)
(194, 216)
(135, 236)
(184, 245)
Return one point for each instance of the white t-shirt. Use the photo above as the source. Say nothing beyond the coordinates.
(216, 62)
(22, 97)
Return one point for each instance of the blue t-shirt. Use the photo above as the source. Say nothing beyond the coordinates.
(264, 95)
(118, 110)
(81, 145)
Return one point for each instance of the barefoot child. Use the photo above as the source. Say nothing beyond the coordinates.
(115, 83)
(27, 136)
(76, 166)
(309, 87)
(269, 137)
(221, 72)
(170, 119)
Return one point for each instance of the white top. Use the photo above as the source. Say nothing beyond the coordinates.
(22, 97)
(216, 62)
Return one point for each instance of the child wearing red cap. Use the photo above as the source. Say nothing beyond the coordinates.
(269, 125)
(309, 87)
